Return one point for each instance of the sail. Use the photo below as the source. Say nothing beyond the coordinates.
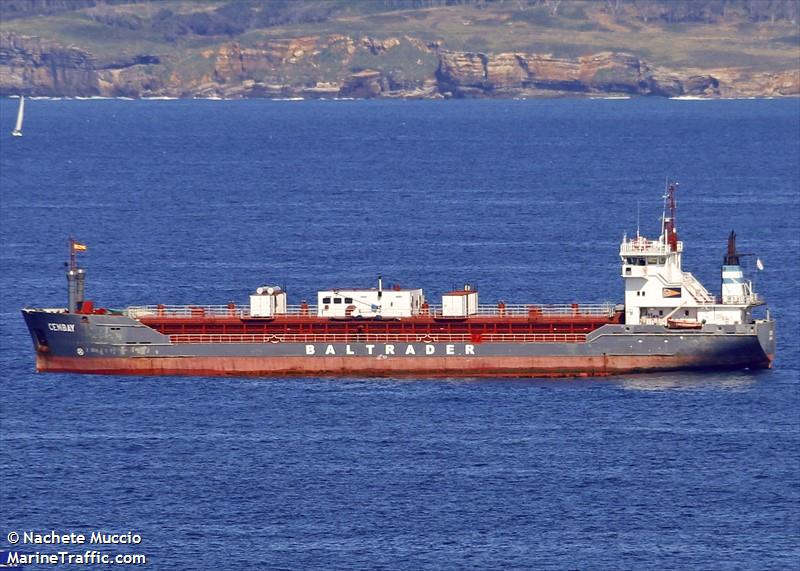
(20, 114)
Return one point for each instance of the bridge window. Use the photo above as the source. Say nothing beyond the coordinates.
(326, 300)
(348, 300)
(337, 300)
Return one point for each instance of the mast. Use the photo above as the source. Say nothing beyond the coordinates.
(669, 230)
(76, 277)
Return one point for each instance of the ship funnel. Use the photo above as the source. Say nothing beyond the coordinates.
(732, 256)
(734, 287)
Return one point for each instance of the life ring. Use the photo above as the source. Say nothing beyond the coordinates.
(274, 339)
(426, 339)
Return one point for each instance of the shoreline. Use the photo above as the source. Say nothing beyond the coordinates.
(403, 99)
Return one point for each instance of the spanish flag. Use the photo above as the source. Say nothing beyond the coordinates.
(78, 247)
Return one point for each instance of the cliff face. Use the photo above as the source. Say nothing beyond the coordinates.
(475, 75)
(35, 67)
(735, 83)
(321, 66)
(342, 66)
(32, 66)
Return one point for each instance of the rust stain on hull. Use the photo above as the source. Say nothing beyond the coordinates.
(562, 366)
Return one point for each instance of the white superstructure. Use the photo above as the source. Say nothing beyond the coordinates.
(391, 303)
(658, 291)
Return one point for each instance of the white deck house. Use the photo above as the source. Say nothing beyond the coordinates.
(369, 303)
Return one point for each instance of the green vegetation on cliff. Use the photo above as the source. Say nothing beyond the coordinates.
(192, 41)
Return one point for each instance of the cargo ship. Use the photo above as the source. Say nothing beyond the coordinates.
(668, 321)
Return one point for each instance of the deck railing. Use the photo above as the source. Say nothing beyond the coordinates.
(644, 247)
(378, 338)
(484, 310)
(751, 299)
(557, 310)
(231, 310)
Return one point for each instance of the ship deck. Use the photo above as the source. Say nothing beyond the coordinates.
(496, 323)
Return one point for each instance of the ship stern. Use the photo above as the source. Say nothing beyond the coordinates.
(765, 331)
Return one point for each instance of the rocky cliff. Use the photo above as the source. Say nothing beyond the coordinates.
(32, 66)
(36, 67)
(343, 66)
(519, 74)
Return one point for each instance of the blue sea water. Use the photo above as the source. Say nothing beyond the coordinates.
(201, 201)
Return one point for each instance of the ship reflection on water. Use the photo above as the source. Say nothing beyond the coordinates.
(667, 381)
(730, 381)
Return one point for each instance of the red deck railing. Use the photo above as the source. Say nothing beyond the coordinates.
(433, 310)
(381, 338)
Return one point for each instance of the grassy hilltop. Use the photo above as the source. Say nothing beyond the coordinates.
(320, 44)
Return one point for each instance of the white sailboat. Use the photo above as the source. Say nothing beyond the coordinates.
(17, 132)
